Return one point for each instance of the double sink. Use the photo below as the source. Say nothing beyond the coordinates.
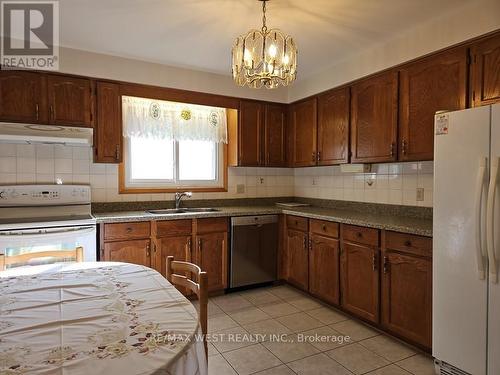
(186, 210)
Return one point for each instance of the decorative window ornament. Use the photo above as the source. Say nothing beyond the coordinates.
(159, 119)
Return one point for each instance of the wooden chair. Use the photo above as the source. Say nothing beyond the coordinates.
(22, 258)
(176, 271)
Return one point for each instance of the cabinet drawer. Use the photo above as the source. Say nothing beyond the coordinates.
(297, 223)
(173, 228)
(409, 243)
(325, 228)
(126, 231)
(362, 235)
(212, 225)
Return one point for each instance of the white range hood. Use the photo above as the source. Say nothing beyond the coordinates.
(45, 134)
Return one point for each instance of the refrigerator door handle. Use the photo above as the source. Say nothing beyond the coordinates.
(490, 234)
(479, 233)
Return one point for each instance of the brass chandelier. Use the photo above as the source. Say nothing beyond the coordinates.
(264, 58)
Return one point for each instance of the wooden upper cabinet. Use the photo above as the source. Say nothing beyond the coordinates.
(485, 71)
(324, 275)
(333, 127)
(407, 296)
(303, 132)
(438, 82)
(274, 135)
(249, 133)
(22, 97)
(70, 101)
(374, 120)
(109, 139)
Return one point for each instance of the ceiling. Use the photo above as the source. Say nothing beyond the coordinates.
(198, 34)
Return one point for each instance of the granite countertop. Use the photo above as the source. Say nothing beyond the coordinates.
(397, 223)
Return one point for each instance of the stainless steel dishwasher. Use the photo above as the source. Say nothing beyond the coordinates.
(254, 248)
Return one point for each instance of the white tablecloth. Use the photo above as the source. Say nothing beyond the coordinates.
(96, 318)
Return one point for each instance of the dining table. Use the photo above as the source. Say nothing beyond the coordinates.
(96, 318)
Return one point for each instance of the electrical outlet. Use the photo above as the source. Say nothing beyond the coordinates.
(314, 181)
(420, 194)
(240, 189)
(261, 180)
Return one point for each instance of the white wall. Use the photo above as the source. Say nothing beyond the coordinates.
(97, 65)
(473, 19)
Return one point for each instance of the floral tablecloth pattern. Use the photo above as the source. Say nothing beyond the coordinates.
(96, 318)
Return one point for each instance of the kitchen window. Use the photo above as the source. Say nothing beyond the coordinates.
(171, 146)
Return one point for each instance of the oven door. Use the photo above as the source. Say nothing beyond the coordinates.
(14, 242)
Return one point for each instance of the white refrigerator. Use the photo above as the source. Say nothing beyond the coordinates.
(466, 242)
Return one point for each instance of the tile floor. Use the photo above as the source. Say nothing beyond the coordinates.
(281, 331)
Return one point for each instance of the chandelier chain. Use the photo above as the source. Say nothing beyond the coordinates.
(264, 27)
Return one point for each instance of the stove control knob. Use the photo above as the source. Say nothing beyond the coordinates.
(3, 194)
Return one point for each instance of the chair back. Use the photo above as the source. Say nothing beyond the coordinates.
(5, 261)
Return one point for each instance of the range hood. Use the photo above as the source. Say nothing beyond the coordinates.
(45, 134)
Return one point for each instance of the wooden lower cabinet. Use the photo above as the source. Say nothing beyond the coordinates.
(132, 251)
(211, 256)
(360, 281)
(407, 296)
(297, 259)
(324, 268)
(179, 247)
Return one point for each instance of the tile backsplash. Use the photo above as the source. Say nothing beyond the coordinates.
(394, 183)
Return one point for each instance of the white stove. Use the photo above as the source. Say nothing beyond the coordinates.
(46, 217)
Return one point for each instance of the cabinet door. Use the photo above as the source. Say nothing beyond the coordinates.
(297, 259)
(360, 281)
(211, 256)
(178, 247)
(250, 133)
(374, 120)
(485, 71)
(303, 130)
(274, 136)
(324, 268)
(435, 83)
(22, 97)
(136, 252)
(333, 127)
(407, 296)
(70, 101)
(109, 123)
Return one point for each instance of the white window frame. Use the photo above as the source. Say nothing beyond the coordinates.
(132, 186)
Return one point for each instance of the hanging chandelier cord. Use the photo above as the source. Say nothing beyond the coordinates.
(264, 27)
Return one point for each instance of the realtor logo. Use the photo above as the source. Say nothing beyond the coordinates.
(30, 35)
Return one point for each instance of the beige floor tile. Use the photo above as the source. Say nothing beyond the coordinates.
(279, 309)
(251, 359)
(248, 315)
(231, 302)
(357, 358)
(325, 338)
(388, 348)
(299, 322)
(280, 370)
(266, 328)
(305, 303)
(213, 309)
(418, 365)
(259, 297)
(231, 339)
(357, 331)
(290, 349)
(327, 315)
(220, 322)
(217, 365)
(319, 364)
(286, 292)
(211, 350)
(389, 370)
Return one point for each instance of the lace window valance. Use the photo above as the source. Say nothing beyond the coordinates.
(159, 119)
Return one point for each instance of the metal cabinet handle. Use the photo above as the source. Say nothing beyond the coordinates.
(313, 156)
(305, 243)
(359, 234)
(374, 262)
(324, 227)
(310, 245)
(403, 146)
(199, 244)
(129, 230)
(37, 111)
(117, 152)
(318, 156)
(408, 243)
(392, 149)
(154, 248)
(386, 265)
(148, 251)
(51, 108)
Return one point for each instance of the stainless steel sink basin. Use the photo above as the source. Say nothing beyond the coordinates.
(172, 211)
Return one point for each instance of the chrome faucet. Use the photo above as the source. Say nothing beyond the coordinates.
(178, 198)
